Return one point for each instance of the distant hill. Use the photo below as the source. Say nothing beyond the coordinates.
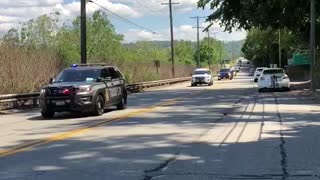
(229, 47)
(233, 47)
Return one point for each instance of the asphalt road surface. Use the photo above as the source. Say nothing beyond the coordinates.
(226, 131)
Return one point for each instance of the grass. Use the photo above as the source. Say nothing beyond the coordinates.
(27, 70)
(23, 70)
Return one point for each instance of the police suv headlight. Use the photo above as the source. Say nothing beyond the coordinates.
(43, 91)
(84, 90)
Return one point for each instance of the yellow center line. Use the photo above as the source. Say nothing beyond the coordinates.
(81, 130)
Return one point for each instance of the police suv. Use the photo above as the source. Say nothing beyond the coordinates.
(84, 88)
(202, 76)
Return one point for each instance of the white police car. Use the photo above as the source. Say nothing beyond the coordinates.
(273, 78)
(202, 76)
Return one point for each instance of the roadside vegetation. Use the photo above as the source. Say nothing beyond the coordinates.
(41, 47)
(264, 20)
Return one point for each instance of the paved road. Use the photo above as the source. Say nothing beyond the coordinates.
(227, 131)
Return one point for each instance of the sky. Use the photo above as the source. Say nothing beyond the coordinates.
(147, 13)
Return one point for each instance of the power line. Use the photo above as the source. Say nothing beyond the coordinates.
(145, 6)
(122, 18)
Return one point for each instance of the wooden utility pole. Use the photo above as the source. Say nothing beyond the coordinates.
(171, 34)
(280, 63)
(209, 60)
(83, 32)
(312, 44)
(198, 39)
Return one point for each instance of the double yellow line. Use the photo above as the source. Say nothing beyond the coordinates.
(81, 130)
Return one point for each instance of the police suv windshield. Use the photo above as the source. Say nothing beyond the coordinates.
(273, 71)
(201, 72)
(71, 75)
(224, 70)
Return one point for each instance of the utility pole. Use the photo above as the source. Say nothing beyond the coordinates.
(171, 34)
(280, 63)
(233, 51)
(209, 60)
(198, 38)
(83, 32)
(220, 45)
(312, 44)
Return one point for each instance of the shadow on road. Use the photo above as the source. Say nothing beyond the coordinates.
(229, 134)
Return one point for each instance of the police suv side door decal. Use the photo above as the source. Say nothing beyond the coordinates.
(107, 95)
(115, 91)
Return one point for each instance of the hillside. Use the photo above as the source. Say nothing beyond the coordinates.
(229, 47)
(233, 46)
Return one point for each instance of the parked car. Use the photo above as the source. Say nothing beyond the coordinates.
(234, 71)
(251, 71)
(257, 73)
(237, 68)
(84, 88)
(273, 78)
(202, 76)
(225, 74)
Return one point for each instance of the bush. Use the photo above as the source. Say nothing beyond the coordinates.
(24, 70)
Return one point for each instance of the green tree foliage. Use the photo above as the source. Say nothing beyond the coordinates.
(184, 52)
(102, 40)
(210, 51)
(11, 38)
(145, 51)
(262, 46)
(277, 14)
(232, 49)
(264, 19)
(40, 32)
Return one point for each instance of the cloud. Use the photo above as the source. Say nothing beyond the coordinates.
(218, 32)
(155, 7)
(183, 32)
(15, 12)
(20, 11)
(29, 3)
(133, 35)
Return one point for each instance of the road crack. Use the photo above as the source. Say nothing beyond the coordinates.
(283, 151)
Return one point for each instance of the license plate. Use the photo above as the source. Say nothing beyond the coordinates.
(60, 103)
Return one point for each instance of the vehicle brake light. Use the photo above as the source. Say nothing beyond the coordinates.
(66, 92)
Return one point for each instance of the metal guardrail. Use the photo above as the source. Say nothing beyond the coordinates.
(31, 99)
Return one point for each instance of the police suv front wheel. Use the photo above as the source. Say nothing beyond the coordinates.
(122, 104)
(99, 106)
(47, 114)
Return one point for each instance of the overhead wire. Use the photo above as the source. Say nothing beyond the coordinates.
(122, 18)
(145, 6)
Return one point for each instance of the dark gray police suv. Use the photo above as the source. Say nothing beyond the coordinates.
(88, 88)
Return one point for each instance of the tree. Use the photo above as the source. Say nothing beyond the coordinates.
(290, 14)
(11, 38)
(103, 43)
(184, 52)
(262, 46)
(209, 54)
(39, 32)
